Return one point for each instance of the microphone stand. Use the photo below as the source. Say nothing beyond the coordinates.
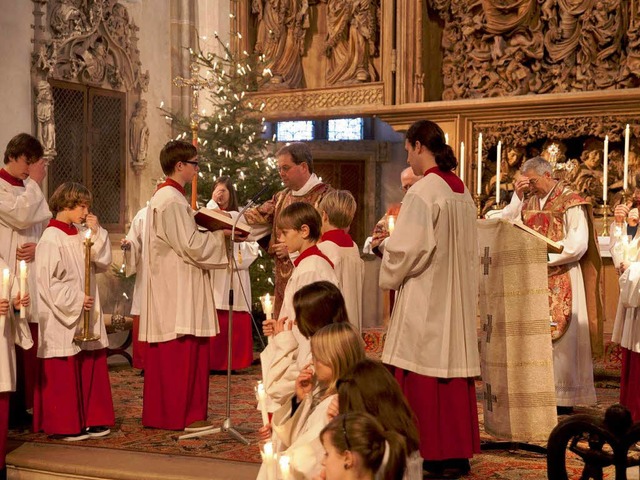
(227, 424)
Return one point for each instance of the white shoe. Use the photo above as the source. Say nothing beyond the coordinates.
(95, 432)
(76, 438)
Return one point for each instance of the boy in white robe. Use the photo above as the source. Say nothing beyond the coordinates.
(288, 350)
(23, 214)
(178, 313)
(337, 209)
(73, 394)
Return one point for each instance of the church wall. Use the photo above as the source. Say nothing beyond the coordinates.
(15, 81)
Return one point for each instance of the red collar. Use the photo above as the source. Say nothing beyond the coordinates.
(339, 237)
(170, 182)
(309, 252)
(69, 229)
(10, 179)
(451, 178)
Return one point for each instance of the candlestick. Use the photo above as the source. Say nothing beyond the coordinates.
(462, 161)
(605, 171)
(262, 403)
(498, 165)
(625, 178)
(23, 287)
(391, 223)
(6, 275)
(478, 202)
(479, 161)
(605, 219)
(285, 467)
(86, 335)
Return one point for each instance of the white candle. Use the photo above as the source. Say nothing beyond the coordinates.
(462, 161)
(391, 223)
(6, 275)
(267, 306)
(23, 287)
(269, 460)
(262, 403)
(479, 161)
(625, 181)
(446, 138)
(285, 467)
(498, 162)
(605, 170)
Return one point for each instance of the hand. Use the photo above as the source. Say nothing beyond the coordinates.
(88, 302)
(17, 302)
(334, 409)
(268, 327)
(125, 244)
(304, 382)
(4, 306)
(92, 222)
(264, 433)
(632, 218)
(620, 212)
(26, 252)
(521, 185)
(623, 267)
(280, 250)
(38, 170)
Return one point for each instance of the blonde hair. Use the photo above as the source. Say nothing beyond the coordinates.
(340, 207)
(339, 346)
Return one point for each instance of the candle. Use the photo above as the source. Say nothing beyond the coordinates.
(498, 162)
(267, 306)
(87, 281)
(23, 287)
(5, 294)
(446, 138)
(269, 460)
(605, 170)
(391, 223)
(262, 403)
(479, 161)
(625, 181)
(285, 467)
(462, 161)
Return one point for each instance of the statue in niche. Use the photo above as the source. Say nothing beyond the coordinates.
(282, 27)
(67, 19)
(139, 133)
(118, 24)
(588, 176)
(95, 62)
(351, 41)
(46, 128)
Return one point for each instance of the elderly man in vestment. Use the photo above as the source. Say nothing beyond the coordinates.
(555, 211)
(295, 165)
(431, 259)
(177, 314)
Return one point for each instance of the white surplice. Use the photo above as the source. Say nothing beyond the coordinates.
(349, 269)
(177, 298)
(134, 262)
(572, 362)
(14, 331)
(23, 215)
(431, 259)
(61, 281)
(289, 351)
(626, 329)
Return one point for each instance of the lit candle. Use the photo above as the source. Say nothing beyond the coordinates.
(285, 467)
(391, 223)
(267, 306)
(262, 403)
(269, 460)
(446, 138)
(605, 170)
(625, 178)
(462, 161)
(23, 287)
(479, 161)
(498, 162)
(5, 294)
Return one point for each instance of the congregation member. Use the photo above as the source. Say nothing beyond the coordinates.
(178, 313)
(13, 331)
(73, 395)
(23, 215)
(295, 166)
(337, 210)
(299, 227)
(432, 340)
(555, 211)
(225, 198)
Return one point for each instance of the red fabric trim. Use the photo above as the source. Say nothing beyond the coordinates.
(138, 346)
(339, 237)
(309, 252)
(10, 179)
(451, 178)
(67, 228)
(629, 384)
(170, 182)
(4, 426)
(242, 346)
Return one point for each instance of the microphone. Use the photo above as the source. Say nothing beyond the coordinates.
(255, 198)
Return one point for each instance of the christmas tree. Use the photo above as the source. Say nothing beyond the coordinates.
(231, 135)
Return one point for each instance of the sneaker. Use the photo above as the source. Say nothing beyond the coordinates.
(95, 432)
(198, 426)
(75, 438)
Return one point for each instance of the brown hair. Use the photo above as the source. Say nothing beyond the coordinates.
(300, 153)
(176, 151)
(68, 196)
(233, 195)
(24, 144)
(340, 207)
(362, 435)
(316, 305)
(431, 136)
(298, 214)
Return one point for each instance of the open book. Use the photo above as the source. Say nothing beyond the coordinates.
(213, 220)
(552, 247)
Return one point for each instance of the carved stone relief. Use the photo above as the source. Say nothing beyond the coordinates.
(492, 49)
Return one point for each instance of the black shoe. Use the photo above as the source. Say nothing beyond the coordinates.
(3, 474)
(564, 410)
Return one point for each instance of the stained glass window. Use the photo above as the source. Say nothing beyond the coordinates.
(345, 129)
(295, 131)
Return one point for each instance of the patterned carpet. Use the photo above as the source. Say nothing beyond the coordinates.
(129, 434)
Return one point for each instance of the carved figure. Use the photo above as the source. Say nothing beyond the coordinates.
(67, 19)
(588, 177)
(139, 133)
(46, 129)
(95, 60)
(118, 24)
(350, 43)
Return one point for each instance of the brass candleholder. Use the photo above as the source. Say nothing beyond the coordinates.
(477, 198)
(605, 220)
(86, 335)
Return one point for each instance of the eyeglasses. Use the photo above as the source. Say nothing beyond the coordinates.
(344, 432)
(191, 162)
